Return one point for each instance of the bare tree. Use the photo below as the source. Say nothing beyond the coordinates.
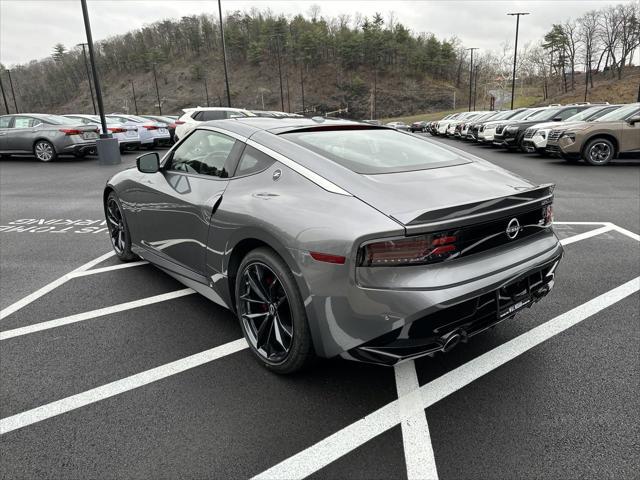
(570, 29)
(589, 39)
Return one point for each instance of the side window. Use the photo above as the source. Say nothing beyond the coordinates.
(213, 115)
(4, 122)
(204, 152)
(23, 122)
(197, 116)
(569, 112)
(253, 161)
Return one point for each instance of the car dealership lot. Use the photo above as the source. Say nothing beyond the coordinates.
(152, 383)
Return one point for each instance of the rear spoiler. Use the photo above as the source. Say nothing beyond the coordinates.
(484, 211)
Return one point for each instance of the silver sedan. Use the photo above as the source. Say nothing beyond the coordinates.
(46, 136)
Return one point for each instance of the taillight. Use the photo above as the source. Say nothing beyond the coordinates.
(418, 250)
(547, 215)
(116, 130)
(150, 127)
(180, 122)
(71, 131)
(328, 258)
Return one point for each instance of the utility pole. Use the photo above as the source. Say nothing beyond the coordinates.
(107, 146)
(515, 54)
(277, 37)
(135, 102)
(206, 90)
(13, 93)
(302, 84)
(86, 66)
(471, 74)
(4, 97)
(155, 79)
(224, 56)
(475, 86)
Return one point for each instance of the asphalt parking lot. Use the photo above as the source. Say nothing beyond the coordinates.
(109, 372)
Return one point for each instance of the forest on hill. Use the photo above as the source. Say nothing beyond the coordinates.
(374, 66)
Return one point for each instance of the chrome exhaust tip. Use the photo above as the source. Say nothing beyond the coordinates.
(450, 340)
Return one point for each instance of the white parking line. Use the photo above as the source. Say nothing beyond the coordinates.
(107, 269)
(626, 232)
(50, 286)
(80, 317)
(353, 436)
(585, 235)
(418, 450)
(138, 380)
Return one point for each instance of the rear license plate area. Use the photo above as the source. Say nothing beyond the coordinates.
(89, 135)
(513, 297)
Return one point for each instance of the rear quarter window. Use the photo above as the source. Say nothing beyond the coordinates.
(376, 151)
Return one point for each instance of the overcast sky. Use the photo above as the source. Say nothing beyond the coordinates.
(30, 28)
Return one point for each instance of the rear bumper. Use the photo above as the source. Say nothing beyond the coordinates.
(457, 321)
(88, 148)
(346, 313)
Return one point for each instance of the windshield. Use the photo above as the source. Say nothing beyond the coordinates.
(583, 115)
(58, 120)
(620, 114)
(375, 151)
(487, 116)
(521, 114)
(96, 119)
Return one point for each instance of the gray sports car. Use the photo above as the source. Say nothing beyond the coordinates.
(330, 237)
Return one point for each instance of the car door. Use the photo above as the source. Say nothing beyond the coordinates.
(169, 212)
(630, 134)
(5, 123)
(22, 134)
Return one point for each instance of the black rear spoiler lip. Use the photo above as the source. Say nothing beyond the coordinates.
(543, 193)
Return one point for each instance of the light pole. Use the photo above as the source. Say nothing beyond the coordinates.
(224, 56)
(135, 102)
(206, 90)
(13, 93)
(155, 79)
(471, 74)
(277, 37)
(515, 53)
(4, 97)
(107, 146)
(86, 65)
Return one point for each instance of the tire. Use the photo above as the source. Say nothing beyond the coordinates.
(598, 151)
(44, 151)
(118, 229)
(271, 313)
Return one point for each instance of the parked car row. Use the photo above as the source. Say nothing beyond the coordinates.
(595, 133)
(49, 136)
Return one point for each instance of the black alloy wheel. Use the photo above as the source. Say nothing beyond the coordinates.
(118, 231)
(272, 314)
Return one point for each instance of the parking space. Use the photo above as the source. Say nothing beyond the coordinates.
(122, 372)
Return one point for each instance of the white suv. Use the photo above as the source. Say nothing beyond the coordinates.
(193, 116)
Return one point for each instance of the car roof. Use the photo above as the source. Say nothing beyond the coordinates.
(225, 109)
(247, 126)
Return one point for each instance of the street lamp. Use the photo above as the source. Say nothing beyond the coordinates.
(135, 101)
(155, 79)
(107, 146)
(224, 55)
(13, 93)
(4, 97)
(471, 74)
(86, 65)
(515, 54)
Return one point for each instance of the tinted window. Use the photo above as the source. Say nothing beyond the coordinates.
(213, 115)
(372, 151)
(621, 113)
(253, 161)
(4, 122)
(56, 119)
(569, 112)
(203, 152)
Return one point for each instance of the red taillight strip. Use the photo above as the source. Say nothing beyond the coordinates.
(328, 258)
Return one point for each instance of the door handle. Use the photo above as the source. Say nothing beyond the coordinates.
(216, 205)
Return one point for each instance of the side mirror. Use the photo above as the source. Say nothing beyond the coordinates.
(149, 162)
(634, 119)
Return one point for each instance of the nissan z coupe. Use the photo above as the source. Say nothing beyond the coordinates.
(331, 237)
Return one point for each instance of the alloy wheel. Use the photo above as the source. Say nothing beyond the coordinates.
(116, 226)
(265, 313)
(44, 151)
(599, 152)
